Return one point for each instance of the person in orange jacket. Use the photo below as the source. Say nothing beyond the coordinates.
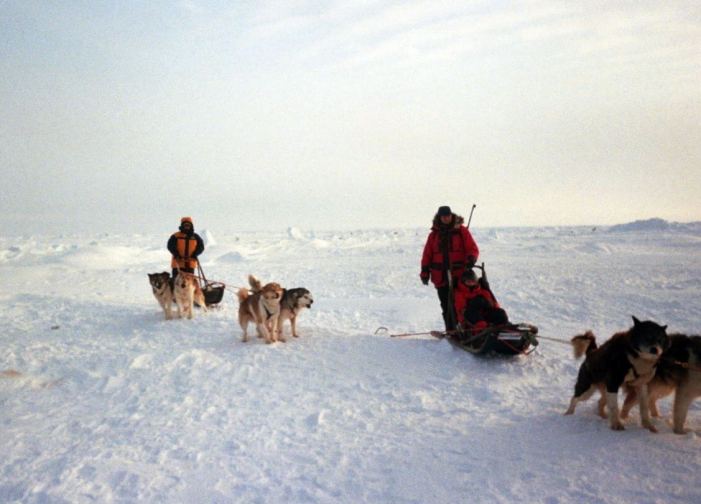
(185, 246)
(475, 305)
(449, 249)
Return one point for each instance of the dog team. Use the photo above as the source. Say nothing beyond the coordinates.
(647, 364)
(266, 306)
(644, 361)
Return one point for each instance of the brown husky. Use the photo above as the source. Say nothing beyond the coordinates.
(678, 371)
(187, 290)
(262, 307)
(292, 302)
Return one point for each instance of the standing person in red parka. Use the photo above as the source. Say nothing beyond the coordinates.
(449, 249)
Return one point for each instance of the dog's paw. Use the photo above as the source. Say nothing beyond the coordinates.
(651, 428)
(617, 426)
(647, 424)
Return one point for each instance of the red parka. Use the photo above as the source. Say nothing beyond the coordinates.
(448, 247)
(478, 300)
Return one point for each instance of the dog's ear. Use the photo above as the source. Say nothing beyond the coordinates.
(664, 327)
(636, 322)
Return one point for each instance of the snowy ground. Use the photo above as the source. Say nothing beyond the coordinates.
(115, 404)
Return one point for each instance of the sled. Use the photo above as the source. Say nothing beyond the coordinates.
(213, 291)
(507, 339)
(504, 339)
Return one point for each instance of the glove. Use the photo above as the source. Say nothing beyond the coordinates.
(424, 280)
(471, 260)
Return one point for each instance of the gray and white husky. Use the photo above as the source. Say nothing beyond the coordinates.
(162, 291)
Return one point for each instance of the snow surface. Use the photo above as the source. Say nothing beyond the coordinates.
(115, 404)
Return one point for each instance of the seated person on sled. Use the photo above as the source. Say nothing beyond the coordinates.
(475, 305)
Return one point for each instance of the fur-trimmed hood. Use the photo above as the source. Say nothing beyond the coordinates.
(458, 221)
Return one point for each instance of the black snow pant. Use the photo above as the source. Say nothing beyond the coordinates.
(447, 307)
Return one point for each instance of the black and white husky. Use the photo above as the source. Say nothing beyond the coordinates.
(292, 303)
(628, 358)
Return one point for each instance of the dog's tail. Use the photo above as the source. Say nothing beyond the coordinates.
(255, 284)
(584, 344)
(242, 294)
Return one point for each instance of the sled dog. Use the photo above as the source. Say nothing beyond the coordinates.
(260, 306)
(627, 358)
(186, 291)
(678, 371)
(292, 303)
(162, 291)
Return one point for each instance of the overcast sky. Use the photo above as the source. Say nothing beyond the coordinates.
(124, 115)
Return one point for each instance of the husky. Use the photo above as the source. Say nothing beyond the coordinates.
(678, 371)
(163, 291)
(260, 306)
(187, 291)
(627, 358)
(292, 303)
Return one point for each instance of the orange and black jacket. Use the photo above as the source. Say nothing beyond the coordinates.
(185, 248)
